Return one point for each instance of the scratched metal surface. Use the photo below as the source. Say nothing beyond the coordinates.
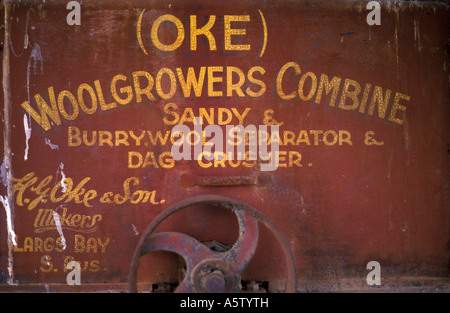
(348, 201)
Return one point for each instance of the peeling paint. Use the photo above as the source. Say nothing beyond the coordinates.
(6, 170)
(11, 238)
(9, 226)
(51, 145)
(59, 228)
(36, 63)
(63, 177)
(27, 128)
(135, 229)
(26, 38)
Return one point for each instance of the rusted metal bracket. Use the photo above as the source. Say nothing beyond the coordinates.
(190, 180)
(208, 270)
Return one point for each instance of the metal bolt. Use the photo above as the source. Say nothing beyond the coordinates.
(214, 282)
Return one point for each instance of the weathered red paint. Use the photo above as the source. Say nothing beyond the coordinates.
(385, 200)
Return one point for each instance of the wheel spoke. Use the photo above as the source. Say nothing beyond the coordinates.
(244, 248)
(188, 247)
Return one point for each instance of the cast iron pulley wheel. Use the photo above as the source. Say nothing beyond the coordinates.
(208, 270)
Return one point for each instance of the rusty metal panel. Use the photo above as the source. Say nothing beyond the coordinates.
(363, 118)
